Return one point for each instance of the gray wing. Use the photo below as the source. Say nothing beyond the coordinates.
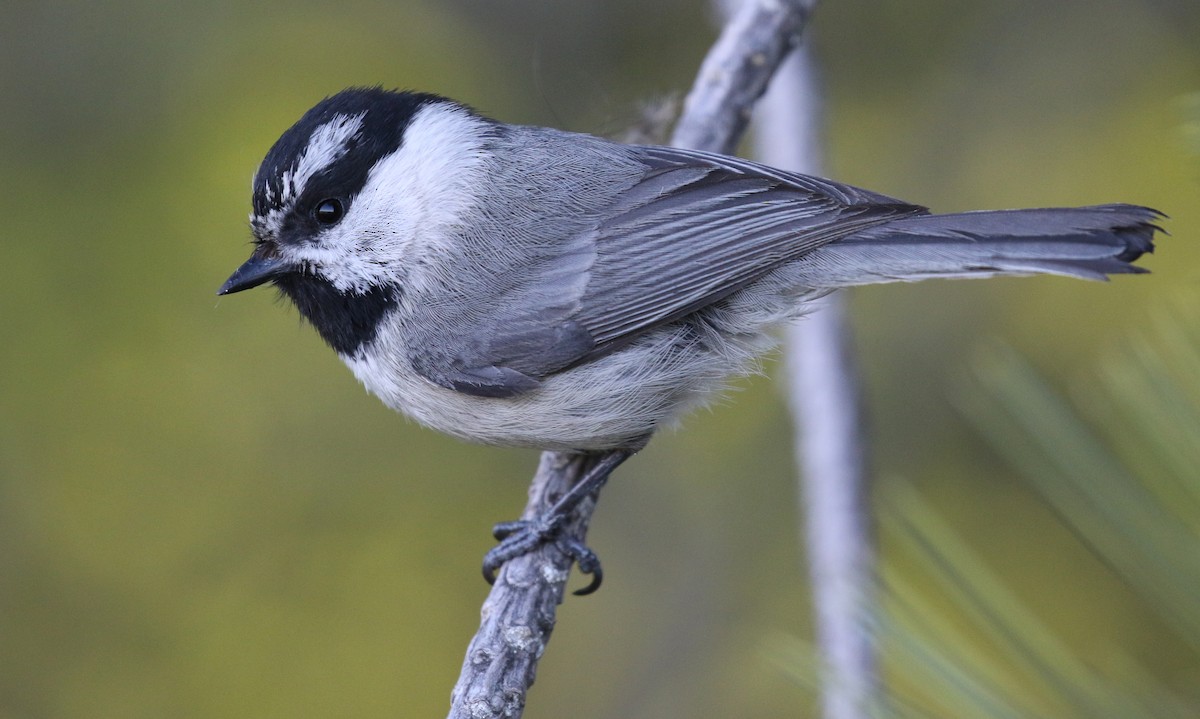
(701, 226)
(693, 229)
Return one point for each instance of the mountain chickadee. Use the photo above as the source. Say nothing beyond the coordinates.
(528, 287)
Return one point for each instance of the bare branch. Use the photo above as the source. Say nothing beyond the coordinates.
(734, 75)
(830, 450)
(519, 613)
(830, 442)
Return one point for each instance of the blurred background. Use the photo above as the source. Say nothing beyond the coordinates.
(203, 515)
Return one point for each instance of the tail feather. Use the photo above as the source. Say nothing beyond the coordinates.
(1086, 242)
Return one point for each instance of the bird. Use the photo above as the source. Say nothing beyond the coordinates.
(525, 286)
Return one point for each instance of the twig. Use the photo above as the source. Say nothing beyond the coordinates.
(519, 613)
(734, 75)
(824, 398)
(831, 453)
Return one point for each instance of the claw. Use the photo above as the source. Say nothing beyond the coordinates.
(586, 560)
(516, 538)
(504, 529)
(491, 565)
(597, 578)
(523, 536)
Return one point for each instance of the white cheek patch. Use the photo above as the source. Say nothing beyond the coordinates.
(411, 205)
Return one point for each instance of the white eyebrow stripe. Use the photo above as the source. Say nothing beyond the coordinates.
(326, 144)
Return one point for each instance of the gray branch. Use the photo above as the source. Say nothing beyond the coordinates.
(757, 37)
(830, 451)
(824, 399)
(519, 613)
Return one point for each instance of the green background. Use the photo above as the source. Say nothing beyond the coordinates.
(203, 515)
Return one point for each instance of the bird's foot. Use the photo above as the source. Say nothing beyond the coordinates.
(523, 536)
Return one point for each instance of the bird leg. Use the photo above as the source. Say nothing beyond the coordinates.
(525, 535)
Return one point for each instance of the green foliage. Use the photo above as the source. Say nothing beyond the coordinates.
(1135, 508)
(958, 640)
(1003, 660)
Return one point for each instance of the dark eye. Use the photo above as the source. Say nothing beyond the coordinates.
(327, 212)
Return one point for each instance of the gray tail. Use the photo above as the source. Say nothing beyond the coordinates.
(1087, 242)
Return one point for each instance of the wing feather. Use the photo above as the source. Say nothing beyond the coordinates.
(662, 234)
(703, 227)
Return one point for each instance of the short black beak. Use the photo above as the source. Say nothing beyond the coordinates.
(263, 265)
